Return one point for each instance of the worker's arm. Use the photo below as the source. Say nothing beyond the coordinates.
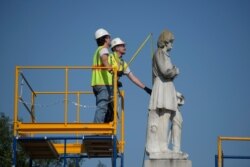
(104, 58)
(136, 81)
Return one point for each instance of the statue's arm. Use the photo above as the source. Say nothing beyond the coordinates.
(164, 70)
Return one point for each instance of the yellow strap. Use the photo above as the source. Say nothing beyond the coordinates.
(140, 48)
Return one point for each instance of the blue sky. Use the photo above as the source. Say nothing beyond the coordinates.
(211, 49)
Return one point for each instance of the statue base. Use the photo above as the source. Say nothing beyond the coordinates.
(167, 163)
(168, 155)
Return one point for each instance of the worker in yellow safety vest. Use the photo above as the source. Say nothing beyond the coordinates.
(119, 49)
(101, 81)
(115, 59)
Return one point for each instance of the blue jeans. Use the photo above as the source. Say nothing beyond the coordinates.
(103, 98)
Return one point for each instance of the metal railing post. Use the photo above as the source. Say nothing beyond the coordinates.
(122, 122)
(14, 151)
(64, 155)
(16, 101)
(33, 118)
(115, 100)
(219, 152)
(66, 97)
(216, 160)
(114, 151)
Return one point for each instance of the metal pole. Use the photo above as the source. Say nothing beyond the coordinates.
(122, 122)
(64, 156)
(114, 152)
(77, 162)
(216, 160)
(33, 117)
(26, 81)
(122, 160)
(222, 159)
(139, 49)
(14, 152)
(15, 102)
(235, 138)
(66, 97)
(115, 100)
(219, 153)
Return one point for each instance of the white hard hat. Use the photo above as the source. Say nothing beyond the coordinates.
(117, 41)
(180, 98)
(100, 33)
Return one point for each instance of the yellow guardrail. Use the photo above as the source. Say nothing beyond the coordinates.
(219, 142)
(35, 127)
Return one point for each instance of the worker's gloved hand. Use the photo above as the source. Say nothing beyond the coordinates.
(148, 90)
(119, 73)
(119, 84)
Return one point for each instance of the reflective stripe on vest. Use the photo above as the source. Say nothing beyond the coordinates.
(100, 76)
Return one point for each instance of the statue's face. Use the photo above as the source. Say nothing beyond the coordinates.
(169, 45)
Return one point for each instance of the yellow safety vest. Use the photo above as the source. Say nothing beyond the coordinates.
(115, 61)
(100, 76)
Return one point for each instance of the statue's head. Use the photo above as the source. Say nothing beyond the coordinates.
(165, 38)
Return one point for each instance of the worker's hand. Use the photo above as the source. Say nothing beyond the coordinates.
(148, 90)
(119, 73)
(119, 84)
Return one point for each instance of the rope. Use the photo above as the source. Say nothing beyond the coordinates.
(83, 106)
(62, 101)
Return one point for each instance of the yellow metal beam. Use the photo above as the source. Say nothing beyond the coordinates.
(76, 148)
(115, 100)
(15, 115)
(235, 138)
(219, 152)
(70, 148)
(219, 143)
(122, 122)
(58, 67)
(69, 128)
(61, 92)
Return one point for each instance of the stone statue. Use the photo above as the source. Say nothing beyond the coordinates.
(163, 105)
(175, 130)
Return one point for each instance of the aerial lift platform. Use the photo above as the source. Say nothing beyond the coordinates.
(65, 139)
